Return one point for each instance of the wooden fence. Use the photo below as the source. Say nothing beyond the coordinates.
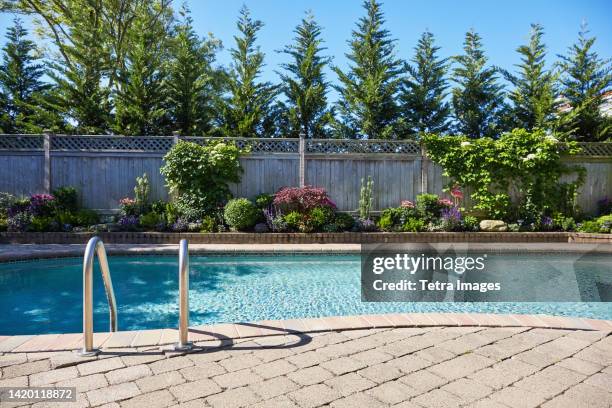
(104, 168)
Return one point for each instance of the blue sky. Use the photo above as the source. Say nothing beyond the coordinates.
(503, 25)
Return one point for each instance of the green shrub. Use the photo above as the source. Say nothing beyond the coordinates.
(172, 213)
(208, 224)
(151, 220)
(85, 217)
(43, 224)
(6, 201)
(344, 221)
(385, 222)
(413, 225)
(158, 207)
(66, 199)
(3, 224)
(141, 193)
(428, 206)
(293, 220)
(264, 200)
(240, 214)
(200, 175)
(320, 216)
(470, 223)
(589, 226)
(66, 218)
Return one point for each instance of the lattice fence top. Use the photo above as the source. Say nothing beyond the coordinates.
(347, 146)
(21, 142)
(596, 149)
(161, 144)
(255, 145)
(112, 143)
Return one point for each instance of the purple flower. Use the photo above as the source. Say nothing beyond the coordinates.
(546, 222)
(41, 204)
(451, 214)
(128, 222)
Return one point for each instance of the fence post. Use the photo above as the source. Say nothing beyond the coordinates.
(47, 168)
(176, 136)
(424, 169)
(302, 151)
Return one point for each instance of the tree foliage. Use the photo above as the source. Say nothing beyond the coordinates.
(246, 112)
(369, 89)
(424, 90)
(585, 79)
(192, 84)
(304, 83)
(534, 94)
(477, 99)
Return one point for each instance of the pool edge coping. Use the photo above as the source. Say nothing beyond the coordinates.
(237, 331)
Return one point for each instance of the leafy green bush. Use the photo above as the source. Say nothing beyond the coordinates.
(429, 206)
(208, 224)
(528, 162)
(413, 225)
(172, 213)
(200, 175)
(3, 224)
(320, 216)
(470, 223)
(293, 220)
(6, 201)
(151, 220)
(158, 207)
(264, 200)
(44, 224)
(344, 221)
(240, 214)
(393, 219)
(589, 226)
(85, 217)
(66, 199)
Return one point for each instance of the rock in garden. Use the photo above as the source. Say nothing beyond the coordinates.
(493, 226)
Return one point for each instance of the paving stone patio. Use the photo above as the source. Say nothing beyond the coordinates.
(434, 366)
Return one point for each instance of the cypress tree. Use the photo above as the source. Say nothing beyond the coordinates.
(477, 99)
(140, 98)
(192, 84)
(246, 112)
(368, 90)
(423, 92)
(534, 93)
(304, 82)
(585, 79)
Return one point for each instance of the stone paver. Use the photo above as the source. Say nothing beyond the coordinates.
(385, 367)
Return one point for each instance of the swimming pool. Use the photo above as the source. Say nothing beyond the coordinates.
(45, 296)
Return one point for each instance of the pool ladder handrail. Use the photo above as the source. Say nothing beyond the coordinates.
(183, 343)
(95, 246)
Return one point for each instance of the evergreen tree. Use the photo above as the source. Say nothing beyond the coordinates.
(20, 81)
(140, 99)
(423, 92)
(368, 90)
(586, 77)
(477, 99)
(192, 84)
(81, 69)
(246, 112)
(304, 83)
(534, 93)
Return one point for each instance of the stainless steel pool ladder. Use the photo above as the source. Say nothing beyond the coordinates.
(95, 246)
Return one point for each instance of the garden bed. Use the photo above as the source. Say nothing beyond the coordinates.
(299, 238)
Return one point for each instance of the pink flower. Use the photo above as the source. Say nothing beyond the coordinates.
(407, 204)
(127, 201)
(456, 192)
(445, 202)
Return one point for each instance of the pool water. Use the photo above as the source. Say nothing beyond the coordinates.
(45, 296)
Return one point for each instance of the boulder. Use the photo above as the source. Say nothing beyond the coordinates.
(493, 226)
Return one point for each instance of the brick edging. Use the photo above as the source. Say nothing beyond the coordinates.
(298, 238)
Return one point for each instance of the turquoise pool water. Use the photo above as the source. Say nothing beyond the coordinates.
(46, 296)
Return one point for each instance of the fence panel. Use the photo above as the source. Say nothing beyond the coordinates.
(104, 168)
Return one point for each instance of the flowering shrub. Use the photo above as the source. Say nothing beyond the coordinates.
(407, 204)
(241, 214)
(128, 222)
(302, 199)
(41, 205)
(451, 219)
(128, 206)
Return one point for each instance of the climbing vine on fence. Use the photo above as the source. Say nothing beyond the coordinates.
(520, 171)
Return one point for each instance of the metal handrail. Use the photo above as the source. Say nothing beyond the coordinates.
(183, 343)
(95, 246)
